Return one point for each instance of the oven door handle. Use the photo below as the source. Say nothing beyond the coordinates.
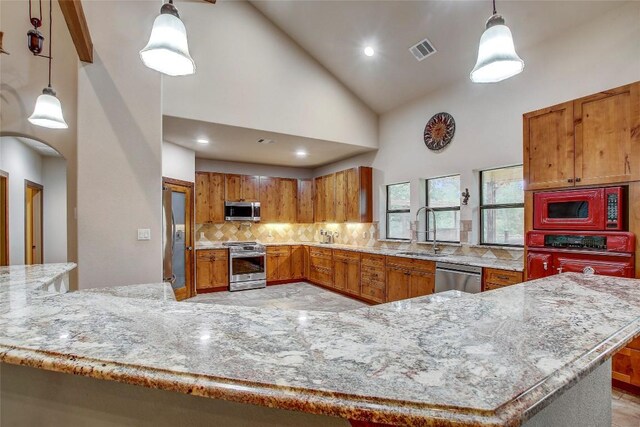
(248, 255)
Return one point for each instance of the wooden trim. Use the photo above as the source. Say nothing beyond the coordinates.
(629, 388)
(78, 29)
(285, 282)
(190, 276)
(212, 290)
(634, 219)
(343, 293)
(4, 261)
(34, 185)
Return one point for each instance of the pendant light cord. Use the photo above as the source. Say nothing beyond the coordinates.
(50, 36)
(494, 7)
(31, 15)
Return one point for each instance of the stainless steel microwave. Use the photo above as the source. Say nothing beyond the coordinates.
(242, 211)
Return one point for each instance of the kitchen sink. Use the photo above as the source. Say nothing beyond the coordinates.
(419, 253)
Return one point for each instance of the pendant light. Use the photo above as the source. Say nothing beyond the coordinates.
(168, 50)
(497, 57)
(48, 110)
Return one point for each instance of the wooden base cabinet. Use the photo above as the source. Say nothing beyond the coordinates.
(321, 266)
(212, 269)
(626, 364)
(278, 263)
(409, 278)
(493, 278)
(346, 272)
(373, 282)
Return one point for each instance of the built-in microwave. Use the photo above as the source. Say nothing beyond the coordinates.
(242, 211)
(584, 209)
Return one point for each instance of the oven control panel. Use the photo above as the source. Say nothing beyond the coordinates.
(575, 241)
(612, 210)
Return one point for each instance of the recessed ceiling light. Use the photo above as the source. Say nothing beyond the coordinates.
(301, 153)
(369, 51)
(202, 141)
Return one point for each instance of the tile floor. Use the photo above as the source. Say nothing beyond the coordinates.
(304, 296)
(292, 296)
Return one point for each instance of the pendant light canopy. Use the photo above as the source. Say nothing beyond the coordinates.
(48, 111)
(168, 50)
(497, 57)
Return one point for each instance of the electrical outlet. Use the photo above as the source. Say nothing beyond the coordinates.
(364, 234)
(144, 234)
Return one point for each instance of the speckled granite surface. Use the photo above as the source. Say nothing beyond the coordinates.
(504, 264)
(485, 359)
(149, 291)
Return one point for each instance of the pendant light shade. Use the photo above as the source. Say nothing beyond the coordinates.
(48, 111)
(168, 50)
(497, 57)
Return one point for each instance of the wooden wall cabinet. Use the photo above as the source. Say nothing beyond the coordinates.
(288, 206)
(305, 201)
(593, 140)
(278, 199)
(242, 188)
(493, 278)
(409, 278)
(346, 196)
(346, 271)
(212, 269)
(329, 195)
(320, 214)
(373, 281)
(279, 263)
(209, 191)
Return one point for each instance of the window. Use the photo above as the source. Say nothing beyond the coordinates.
(443, 195)
(398, 216)
(502, 207)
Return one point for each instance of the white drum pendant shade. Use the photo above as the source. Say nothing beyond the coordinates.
(497, 57)
(168, 50)
(48, 111)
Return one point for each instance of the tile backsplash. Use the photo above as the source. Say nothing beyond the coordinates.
(356, 234)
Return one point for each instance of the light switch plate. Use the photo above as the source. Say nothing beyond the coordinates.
(144, 234)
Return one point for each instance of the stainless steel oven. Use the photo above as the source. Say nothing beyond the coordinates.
(247, 265)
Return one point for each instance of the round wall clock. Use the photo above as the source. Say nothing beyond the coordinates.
(439, 131)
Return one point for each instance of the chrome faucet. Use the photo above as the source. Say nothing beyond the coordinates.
(436, 249)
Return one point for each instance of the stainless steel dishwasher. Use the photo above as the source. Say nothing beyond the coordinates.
(458, 277)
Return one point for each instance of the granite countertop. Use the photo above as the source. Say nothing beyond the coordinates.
(494, 358)
(485, 262)
(148, 291)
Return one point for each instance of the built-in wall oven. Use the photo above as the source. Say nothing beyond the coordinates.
(247, 265)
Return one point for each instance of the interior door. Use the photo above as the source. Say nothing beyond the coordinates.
(33, 213)
(178, 261)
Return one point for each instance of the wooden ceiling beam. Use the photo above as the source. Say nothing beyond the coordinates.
(78, 28)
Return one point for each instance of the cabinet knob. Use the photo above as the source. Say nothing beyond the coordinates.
(578, 179)
(570, 180)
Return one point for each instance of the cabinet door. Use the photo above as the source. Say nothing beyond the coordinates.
(284, 265)
(305, 201)
(421, 284)
(297, 262)
(269, 189)
(216, 197)
(607, 133)
(340, 197)
(250, 188)
(319, 200)
(352, 277)
(398, 282)
(339, 274)
(353, 195)
(220, 273)
(288, 200)
(549, 148)
(204, 268)
(233, 188)
(539, 265)
(329, 187)
(273, 262)
(203, 205)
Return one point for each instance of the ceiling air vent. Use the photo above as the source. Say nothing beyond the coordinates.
(265, 141)
(422, 50)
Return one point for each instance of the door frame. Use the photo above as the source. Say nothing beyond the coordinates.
(188, 188)
(33, 185)
(4, 243)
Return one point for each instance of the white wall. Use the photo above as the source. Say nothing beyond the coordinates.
(250, 74)
(54, 177)
(207, 165)
(178, 162)
(119, 149)
(599, 55)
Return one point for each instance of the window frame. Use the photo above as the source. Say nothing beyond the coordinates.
(482, 207)
(387, 211)
(441, 209)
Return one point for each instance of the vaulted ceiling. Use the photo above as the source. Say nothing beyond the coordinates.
(336, 32)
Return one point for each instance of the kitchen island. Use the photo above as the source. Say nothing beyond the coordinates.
(504, 357)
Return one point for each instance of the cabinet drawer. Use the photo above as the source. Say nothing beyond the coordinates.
(373, 290)
(347, 256)
(412, 264)
(212, 254)
(320, 262)
(278, 250)
(502, 277)
(372, 273)
(372, 260)
(489, 286)
(320, 252)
